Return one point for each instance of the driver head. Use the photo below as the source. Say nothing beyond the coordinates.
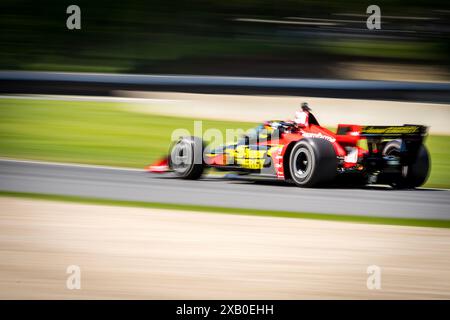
(305, 106)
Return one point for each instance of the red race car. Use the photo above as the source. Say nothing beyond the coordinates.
(310, 155)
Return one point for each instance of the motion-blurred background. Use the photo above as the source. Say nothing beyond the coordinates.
(127, 121)
(103, 95)
(301, 38)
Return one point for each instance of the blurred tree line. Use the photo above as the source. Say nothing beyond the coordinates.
(304, 38)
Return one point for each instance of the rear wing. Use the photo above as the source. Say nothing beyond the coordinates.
(411, 136)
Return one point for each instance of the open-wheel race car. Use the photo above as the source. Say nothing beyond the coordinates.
(311, 155)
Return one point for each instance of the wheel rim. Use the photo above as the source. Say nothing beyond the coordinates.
(302, 163)
(394, 152)
(181, 157)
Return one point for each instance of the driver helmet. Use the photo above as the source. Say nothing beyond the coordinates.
(305, 107)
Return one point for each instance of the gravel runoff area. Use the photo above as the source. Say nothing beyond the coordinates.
(160, 254)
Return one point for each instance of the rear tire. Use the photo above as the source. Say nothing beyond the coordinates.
(312, 163)
(186, 158)
(414, 175)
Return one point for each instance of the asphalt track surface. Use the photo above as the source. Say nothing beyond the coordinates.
(137, 185)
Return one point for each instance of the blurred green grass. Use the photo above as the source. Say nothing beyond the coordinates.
(106, 133)
(374, 48)
(102, 133)
(236, 211)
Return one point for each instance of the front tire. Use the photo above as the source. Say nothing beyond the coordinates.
(312, 163)
(186, 158)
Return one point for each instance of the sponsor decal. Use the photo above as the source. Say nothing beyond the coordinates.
(391, 130)
(319, 135)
